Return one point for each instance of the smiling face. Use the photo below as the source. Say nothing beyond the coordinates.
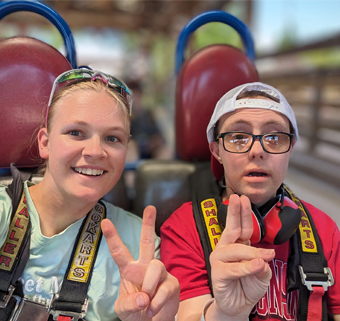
(86, 145)
(256, 174)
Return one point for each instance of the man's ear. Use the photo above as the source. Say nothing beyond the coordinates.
(293, 143)
(291, 147)
(43, 143)
(215, 150)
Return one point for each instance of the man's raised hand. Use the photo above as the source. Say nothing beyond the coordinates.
(240, 273)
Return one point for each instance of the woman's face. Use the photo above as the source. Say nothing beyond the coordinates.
(86, 146)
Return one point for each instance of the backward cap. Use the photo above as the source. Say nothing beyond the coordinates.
(228, 104)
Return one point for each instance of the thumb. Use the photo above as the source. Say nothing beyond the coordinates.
(131, 303)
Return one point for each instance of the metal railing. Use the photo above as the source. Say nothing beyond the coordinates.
(314, 95)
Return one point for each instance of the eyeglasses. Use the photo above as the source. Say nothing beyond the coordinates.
(272, 143)
(116, 84)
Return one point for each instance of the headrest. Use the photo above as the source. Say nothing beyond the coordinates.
(28, 68)
(203, 80)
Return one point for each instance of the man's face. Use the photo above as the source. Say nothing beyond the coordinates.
(256, 174)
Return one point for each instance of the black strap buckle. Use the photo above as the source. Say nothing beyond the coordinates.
(75, 316)
(312, 279)
(3, 304)
(30, 310)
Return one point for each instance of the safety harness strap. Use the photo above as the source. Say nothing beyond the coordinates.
(14, 253)
(205, 203)
(307, 257)
(314, 272)
(71, 302)
(6, 313)
(62, 318)
(314, 306)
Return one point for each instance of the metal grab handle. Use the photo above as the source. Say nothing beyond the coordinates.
(213, 16)
(9, 7)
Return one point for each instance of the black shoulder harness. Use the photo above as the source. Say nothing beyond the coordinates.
(72, 299)
(205, 201)
(14, 253)
(307, 266)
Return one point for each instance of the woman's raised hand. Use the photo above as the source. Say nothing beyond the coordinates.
(147, 291)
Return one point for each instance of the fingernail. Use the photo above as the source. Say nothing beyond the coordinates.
(140, 301)
(149, 314)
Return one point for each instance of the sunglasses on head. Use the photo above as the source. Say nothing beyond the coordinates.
(79, 74)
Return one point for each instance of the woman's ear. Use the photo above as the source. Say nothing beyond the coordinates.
(43, 143)
(214, 149)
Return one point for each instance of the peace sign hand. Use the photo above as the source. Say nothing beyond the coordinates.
(240, 273)
(146, 289)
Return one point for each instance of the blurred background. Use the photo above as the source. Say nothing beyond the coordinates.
(297, 46)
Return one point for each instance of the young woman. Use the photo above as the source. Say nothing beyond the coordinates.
(84, 143)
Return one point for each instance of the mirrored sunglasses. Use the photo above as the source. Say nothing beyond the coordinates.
(79, 74)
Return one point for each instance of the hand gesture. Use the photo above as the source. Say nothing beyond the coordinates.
(146, 289)
(240, 273)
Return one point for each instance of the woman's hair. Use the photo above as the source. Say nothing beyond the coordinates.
(84, 84)
(88, 84)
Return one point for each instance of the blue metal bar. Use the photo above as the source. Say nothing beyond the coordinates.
(213, 16)
(9, 7)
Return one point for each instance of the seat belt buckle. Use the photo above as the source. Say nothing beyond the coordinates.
(30, 310)
(325, 280)
(3, 304)
(75, 316)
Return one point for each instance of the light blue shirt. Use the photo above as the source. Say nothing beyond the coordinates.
(49, 258)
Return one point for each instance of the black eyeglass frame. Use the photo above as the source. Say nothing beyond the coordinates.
(254, 138)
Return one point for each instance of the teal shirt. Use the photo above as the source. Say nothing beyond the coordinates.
(49, 258)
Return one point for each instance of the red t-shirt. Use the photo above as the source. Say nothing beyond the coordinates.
(183, 256)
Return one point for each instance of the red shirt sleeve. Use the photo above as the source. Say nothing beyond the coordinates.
(182, 253)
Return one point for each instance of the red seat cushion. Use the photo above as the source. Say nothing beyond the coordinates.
(28, 68)
(202, 81)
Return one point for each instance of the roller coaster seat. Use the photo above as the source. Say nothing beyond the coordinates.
(28, 68)
(202, 81)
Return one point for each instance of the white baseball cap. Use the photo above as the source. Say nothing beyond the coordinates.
(228, 104)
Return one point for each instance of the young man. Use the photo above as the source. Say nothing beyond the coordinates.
(251, 133)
